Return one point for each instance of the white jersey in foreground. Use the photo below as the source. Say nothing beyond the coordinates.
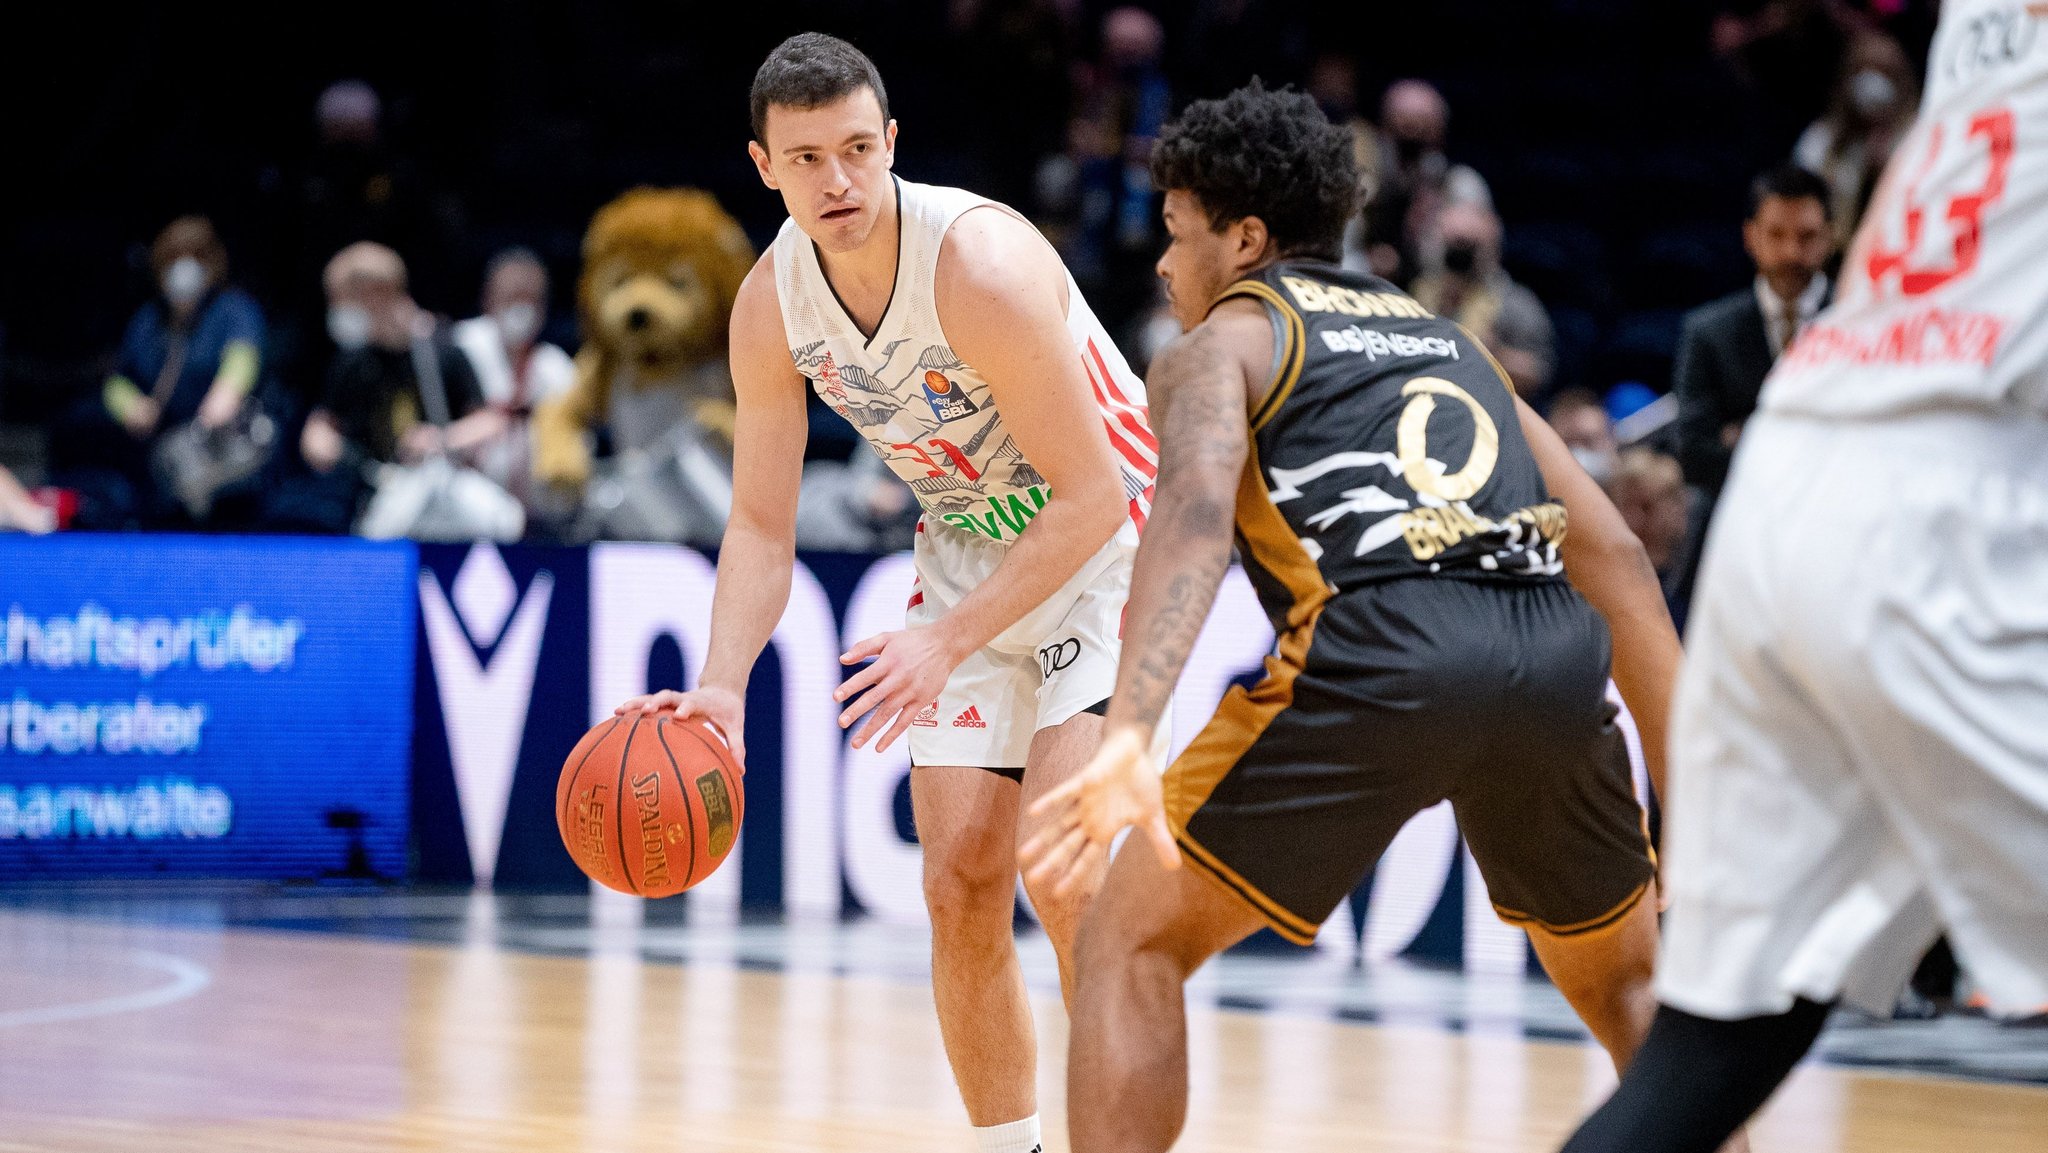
(1943, 300)
(1859, 739)
(928, 413)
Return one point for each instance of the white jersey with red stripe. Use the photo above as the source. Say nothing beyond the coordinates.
(1943, 300)
(926, 411)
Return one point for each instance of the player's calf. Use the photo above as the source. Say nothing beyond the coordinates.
(964, 821)
(1058, 753)
(1607, 976)
(1144, 934)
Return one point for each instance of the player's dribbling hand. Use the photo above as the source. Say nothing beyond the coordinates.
(908, 670)
(1119, 788)
(723, 708)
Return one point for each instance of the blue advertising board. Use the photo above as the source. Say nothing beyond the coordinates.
(221, 707)
(313, 709)
(523, 648)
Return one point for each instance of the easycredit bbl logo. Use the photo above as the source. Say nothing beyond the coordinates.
(837, 838)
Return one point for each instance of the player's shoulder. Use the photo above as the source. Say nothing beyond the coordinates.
(1236, 316)
(1238, 330)
(758, 288)
(757, 307)
(992, 270)
(991, 257)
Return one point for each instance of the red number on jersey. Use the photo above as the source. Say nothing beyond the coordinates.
(958, 458)
(932, 468)
(1965, 213)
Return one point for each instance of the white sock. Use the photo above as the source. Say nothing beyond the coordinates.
(1016, 1137)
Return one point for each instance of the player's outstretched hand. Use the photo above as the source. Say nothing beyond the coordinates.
(1119, 788)
(908, 670)
(723, 708)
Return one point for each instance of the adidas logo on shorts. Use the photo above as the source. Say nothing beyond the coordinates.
(970, 719)
(929, 718)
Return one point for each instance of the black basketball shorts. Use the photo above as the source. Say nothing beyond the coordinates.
(1403, 694)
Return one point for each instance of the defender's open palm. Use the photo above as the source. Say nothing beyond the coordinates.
(1119, 788)
(723, 708)
(909, 669)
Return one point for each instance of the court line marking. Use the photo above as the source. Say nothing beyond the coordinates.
(188, 978)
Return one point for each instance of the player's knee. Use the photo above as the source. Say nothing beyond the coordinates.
(1629, 998)
(1634, 993)
(1615, 988)
(963, 884)
(1113, 938)
(1059, 913)
(1102, 943)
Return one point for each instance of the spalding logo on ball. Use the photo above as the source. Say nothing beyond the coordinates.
(650, 805)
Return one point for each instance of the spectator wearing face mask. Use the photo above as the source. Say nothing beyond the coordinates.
(1871, 108)
(1648, 488)
(515, 369)
(1463, 279)
(1581, 421)
(1408, 183)
(355, 182)
(374, 407)
(193, 353)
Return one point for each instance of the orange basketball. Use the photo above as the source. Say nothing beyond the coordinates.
(649, 805)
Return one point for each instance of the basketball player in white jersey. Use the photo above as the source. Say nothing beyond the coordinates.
(1860, 747)
(947, 331)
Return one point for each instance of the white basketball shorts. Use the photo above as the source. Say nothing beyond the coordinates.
(1055, 663)
(1860, 741)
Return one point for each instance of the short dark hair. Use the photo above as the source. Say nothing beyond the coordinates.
(1788, 182)
(808, 70)
(1269, 154)
(1570, 400)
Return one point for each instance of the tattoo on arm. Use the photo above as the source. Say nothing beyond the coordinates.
(1186, 547)
(1174, 627)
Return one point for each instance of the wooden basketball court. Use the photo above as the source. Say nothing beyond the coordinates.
(117, 1035)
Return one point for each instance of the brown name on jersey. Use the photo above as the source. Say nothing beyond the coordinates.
(1312, 297)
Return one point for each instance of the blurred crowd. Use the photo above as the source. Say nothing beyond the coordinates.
(352, 336)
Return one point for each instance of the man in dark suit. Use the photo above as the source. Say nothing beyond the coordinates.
(1728, 346)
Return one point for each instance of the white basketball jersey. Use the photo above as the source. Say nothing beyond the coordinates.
(1943, 300)
(929, 413)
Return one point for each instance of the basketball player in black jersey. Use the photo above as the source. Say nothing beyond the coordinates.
(1402, 517)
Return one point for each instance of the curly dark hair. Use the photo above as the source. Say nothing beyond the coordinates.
(808, 70)
(1269, 154)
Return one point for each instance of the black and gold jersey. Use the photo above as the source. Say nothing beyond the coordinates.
(1387, 446)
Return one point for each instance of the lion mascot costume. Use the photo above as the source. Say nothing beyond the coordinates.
(661, 268)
